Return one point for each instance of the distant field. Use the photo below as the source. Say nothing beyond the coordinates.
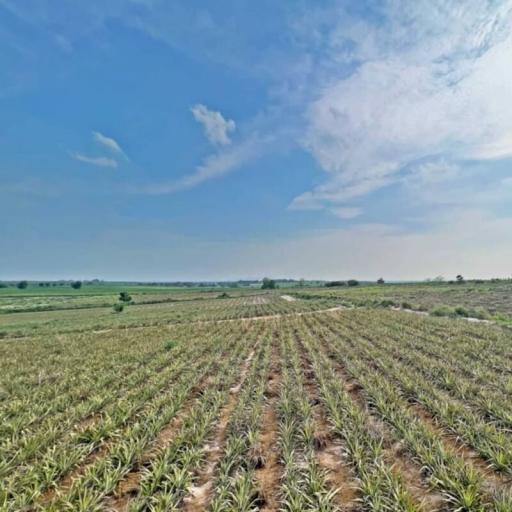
(296, 400)
(487, 297)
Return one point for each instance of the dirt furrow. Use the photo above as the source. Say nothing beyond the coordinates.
(200, 493)
(265, 455)
(329, 453)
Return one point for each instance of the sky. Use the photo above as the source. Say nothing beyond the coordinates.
(198, 140)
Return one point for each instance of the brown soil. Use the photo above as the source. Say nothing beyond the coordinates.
(266, 454)
(394, 452)
(200, 494)
(492, 480)
(329, 453)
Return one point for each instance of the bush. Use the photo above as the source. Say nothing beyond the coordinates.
(385, 303)
(442, 311)
(3, 285)
(223, 295)
(406, 305)
(118, 308)
(124, 297)
(352, 282)
(380, 280)
(76, 285)
(462, 311)
(22, 285)
(332, 284)
(169, 345)
(479, 313)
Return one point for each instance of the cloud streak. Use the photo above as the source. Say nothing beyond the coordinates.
(108, 143)
(99, 161)
(214, 166)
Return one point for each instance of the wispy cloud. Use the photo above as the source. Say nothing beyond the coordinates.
(214, 166)
(216, 127)
(109, 143)
(102, 161)
(347, 212)
(429, 79)
(99, 161)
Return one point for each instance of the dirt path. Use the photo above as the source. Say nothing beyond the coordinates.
(288, 298)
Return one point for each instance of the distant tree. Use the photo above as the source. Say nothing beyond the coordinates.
(460, 279)
(76, 285)
(352, 282)
(332, 284)
(22, 285)
(268, 284)
(41, 284)
(380, 280)
(4, 285)
(301, 282)
(124, 297)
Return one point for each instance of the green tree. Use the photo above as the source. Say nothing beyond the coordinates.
(460, 279)
(124, 297)
(76, 285)
(268, 284)
(380, 280)
(352, 282)
(22, 285)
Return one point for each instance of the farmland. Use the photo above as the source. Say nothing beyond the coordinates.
(296, 400)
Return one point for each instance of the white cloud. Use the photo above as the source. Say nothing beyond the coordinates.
(108, 143)
(495, 150)
(216, 127)
(100, 161)
(433, 79)
(347, 212)
(216, 165)
(432, 173)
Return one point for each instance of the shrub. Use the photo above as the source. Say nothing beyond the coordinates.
(352, 282)
(332, 284)
(76, 285)
(22, 285)
(169, 345)
(380, 280)
(118, 308)
(442, 311)
(406, 305)
(461, 311)
(479, 313)
(223, 295)
(124, 297)
(3, 285)
(385, 303)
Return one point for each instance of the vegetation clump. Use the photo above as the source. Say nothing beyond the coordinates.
(125, 297)
(268, 284)
(118, 308)
(169, 345)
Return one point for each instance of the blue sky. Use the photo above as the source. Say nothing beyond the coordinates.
(153, 140)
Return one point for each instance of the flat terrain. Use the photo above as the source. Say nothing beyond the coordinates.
(297, 400)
